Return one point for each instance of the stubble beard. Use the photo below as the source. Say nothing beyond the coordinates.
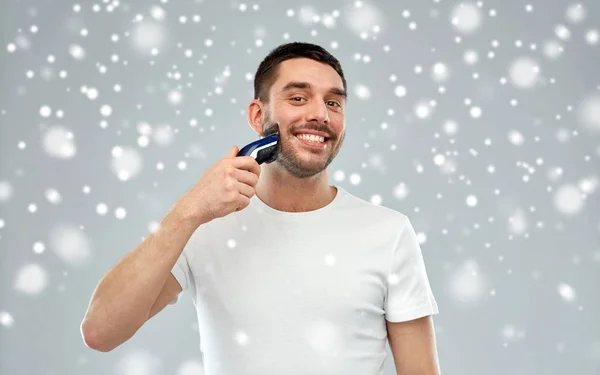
(297, 165)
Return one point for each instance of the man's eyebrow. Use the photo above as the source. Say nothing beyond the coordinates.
(338, 91)
(306, 85)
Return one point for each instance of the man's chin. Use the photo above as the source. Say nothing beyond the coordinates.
(301, 168)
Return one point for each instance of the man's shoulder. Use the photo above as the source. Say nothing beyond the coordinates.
(375, 209)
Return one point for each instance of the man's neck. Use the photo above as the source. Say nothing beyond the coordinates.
(291, 194)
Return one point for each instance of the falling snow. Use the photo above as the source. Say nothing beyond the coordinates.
(31, 279)
(70, 244)
(466, 17)
(478, 120)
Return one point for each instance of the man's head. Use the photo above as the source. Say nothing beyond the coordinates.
(301, 88)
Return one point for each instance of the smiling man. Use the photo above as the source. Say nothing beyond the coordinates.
(304, 279)
(306, 98)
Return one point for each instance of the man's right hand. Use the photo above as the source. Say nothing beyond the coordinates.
(225, 187)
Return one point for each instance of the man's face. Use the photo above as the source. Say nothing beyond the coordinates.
(307, 96)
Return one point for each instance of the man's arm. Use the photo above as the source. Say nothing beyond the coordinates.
(138, 284)
(413, 346)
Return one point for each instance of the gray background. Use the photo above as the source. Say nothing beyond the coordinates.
(515, 274)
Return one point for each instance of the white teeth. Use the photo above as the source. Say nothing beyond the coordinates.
(311, 138)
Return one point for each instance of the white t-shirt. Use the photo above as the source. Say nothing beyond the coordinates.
(303, 292)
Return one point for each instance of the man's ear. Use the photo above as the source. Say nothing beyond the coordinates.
(255, 114)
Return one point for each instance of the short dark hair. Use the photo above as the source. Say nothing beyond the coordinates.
(266, 73)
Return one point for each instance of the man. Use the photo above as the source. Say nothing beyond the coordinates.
(289, 274)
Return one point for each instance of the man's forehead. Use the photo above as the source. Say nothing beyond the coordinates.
(306, 70)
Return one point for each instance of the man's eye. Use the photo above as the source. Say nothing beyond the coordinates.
(334, 103)
(297, 97)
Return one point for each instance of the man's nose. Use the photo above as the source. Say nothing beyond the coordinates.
(318, 112)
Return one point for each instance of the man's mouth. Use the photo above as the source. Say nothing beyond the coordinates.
(313, 141)
(312, 138)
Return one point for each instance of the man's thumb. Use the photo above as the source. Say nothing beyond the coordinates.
(232, 152)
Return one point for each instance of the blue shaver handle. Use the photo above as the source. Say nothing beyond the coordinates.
(264, 150)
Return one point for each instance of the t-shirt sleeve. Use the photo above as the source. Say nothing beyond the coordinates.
(182, 271)
(409, 295)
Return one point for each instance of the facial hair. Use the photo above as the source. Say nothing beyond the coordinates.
(290, 158)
